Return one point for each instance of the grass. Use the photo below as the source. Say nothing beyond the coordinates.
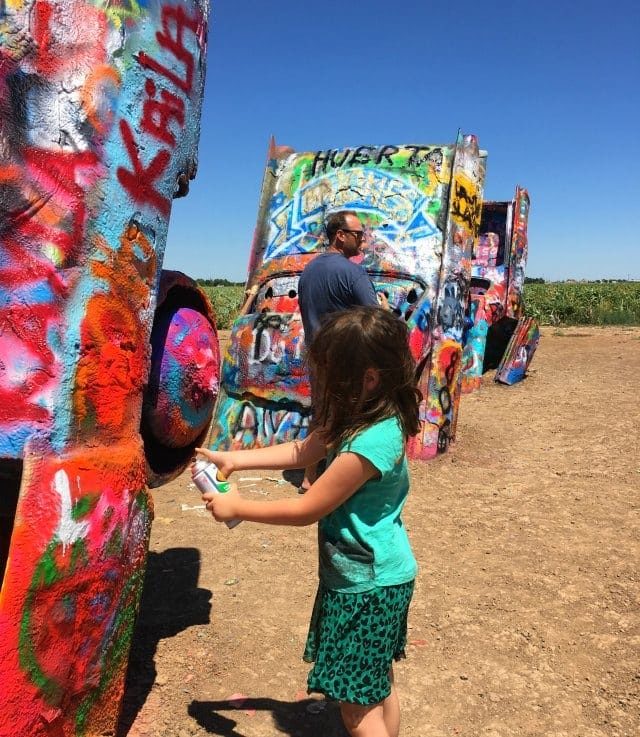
(552, 303)
(584, 303)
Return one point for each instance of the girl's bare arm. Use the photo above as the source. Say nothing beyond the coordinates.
(295, 454)
(347, 473)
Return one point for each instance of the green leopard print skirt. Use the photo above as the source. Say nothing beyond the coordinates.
(353, 640)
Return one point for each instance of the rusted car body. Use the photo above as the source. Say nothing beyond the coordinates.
(421, 207)
(108, 367)
(499, 335)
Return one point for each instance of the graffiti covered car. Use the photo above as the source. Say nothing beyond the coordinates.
(499, 335)
(108, 367)
(420, 206)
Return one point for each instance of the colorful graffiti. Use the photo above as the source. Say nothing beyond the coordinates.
(519, 352)
(420, 206)
(495, 311)
(100, 355)
(184, 378)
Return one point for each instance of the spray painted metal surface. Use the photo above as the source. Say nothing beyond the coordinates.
(498, 334)
(421, 208)
(519, 352)
(99, 123)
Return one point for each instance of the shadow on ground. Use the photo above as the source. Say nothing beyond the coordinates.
(306, 718)
(171, 602)
(294, 476)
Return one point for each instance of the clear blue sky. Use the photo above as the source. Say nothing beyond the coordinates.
(551, 89)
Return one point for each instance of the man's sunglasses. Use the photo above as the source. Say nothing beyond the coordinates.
(358, 234)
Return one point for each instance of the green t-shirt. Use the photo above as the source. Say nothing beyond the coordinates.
(363, 543)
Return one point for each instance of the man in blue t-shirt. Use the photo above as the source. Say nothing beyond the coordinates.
(331, 283)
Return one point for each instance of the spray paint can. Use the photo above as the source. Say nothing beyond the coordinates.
(207, 477)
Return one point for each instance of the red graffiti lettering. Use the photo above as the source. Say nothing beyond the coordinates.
(46, 61)
(177, 18)
(48, 207)
(150, 63)
(66, 175)
(157, 114)
(51, 42)
(140, 182)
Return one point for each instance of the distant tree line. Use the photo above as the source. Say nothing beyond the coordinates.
(527, 280)
(540, 280)
(605, 302)
(219, 283)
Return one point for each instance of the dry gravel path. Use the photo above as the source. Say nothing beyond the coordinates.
(526, 617)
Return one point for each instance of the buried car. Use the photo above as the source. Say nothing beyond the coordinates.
(421, 207)
(499, 334)
(108, 366)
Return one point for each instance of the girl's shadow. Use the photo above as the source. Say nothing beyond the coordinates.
(306, 718)
(171, 602)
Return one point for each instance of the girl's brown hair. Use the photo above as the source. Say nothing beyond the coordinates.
(347, 344)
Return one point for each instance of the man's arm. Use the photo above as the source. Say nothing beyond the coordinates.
(383, 300)
(363, 291)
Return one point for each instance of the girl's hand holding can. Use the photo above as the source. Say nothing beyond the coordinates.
(222, 506)
(221, 459)
(211, 483)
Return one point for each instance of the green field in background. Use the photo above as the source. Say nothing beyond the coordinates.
(226, 302)
(553, 303)
(584, 303)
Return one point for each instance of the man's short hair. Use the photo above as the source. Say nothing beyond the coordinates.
(337, 221)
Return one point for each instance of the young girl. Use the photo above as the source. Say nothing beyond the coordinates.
(365, 408)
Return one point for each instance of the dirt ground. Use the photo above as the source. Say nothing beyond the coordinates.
(526, 616)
